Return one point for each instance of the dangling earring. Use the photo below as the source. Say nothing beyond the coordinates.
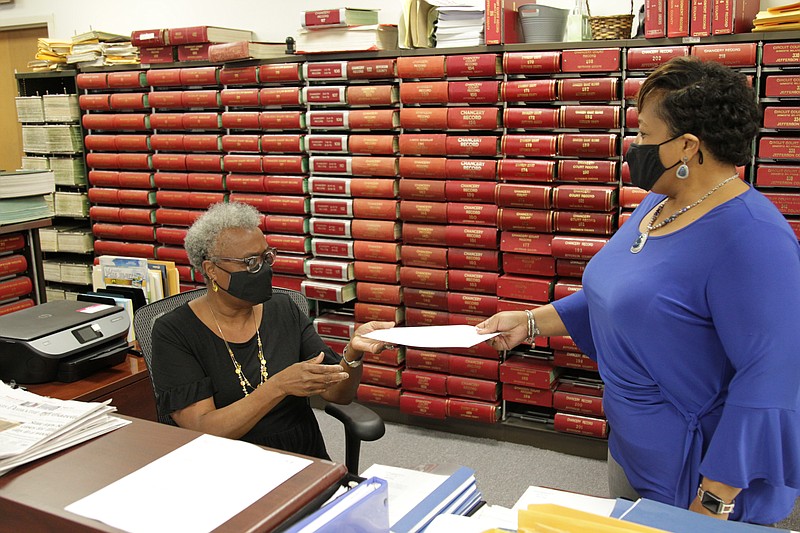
(683, 170)
(214, 286)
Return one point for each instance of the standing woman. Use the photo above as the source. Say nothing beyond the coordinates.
(241, 362)
(692, 311)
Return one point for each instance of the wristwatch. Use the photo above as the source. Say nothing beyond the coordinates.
(351, 364)
(714, 503)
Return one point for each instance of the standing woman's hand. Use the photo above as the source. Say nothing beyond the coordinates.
(512, 325)
(362, 344)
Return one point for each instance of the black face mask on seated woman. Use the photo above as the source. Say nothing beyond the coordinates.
(645, 163)
(255, 287)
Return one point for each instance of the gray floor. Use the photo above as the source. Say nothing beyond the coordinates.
(503, 470)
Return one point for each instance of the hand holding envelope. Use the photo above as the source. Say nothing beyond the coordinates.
(459, 336)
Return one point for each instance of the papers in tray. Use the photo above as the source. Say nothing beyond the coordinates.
(458, 336)
(33, 426)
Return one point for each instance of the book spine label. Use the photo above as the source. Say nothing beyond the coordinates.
(589, 198)
(238, 76)
(373, 187)
(280, 96)
(330, 164)
(476, 411)
(373, 144)
(580, 425)
(473, 259)
(324, 17)
(471, 237)
(529, 90)
(290, 264)
(165, 99)
(525, 118)
(512, 219)
(527, 395)
(326, 143)
(700, 21)
(472, 304)
(426, 317)
(335, 207)
(588, 171)
(532, 62)
(425, 382)
(526, 170)
(94, 80)
(376, 251)
(333, 270)
(524, 288)
(585, 248)
(325, 70)
(578, 403)
(330, 227)
(471, 214)
(428, 360)
(473, 118)
(421, 67)
(329, 186)
(782, 86)
(424, 92)
(529, 145)
(378, 395)
(468, 387)
(424, 256)
(423, 167)
(375, 208)
(384, 376)
(423, 278)
(424, 118)
(423, 405)
(524, 196)
(650, 58)
(578, 145)
(779, 117)
(374, 166)
(376, 272)
(534, 265)
(325, 95)
(590, 117)
(591, 60)
(376, 230)
(472, 65)
(279, 72)
(418, 211)
(374, 119)
(471, 145)
(472, 281)
(470, 191)
(372, 69)
(779, 148)
(332, 248)
(425, 298)
(366, 312)
(474, 92)
(424, 234)
(286, 224)
(731, 55)
(334, 327)
(779, 54)
(372, 95)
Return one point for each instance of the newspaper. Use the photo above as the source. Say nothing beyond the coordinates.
(33, 426)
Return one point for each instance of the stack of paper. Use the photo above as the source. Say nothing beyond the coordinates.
(778, 18)
(33, 426)
(63, 138)
(71, 204)
(459, 26)
(51, 54)
(26, 183)
(61, 108)
(69, 171)
(31, 162)
(34, 139)
(29, 109)
(78, 240)
(417, 497)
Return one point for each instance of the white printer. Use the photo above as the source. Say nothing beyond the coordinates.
(62, 340)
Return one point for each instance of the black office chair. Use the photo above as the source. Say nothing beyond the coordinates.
(360, 423)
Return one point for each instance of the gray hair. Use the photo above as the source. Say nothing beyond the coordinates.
(201, 239)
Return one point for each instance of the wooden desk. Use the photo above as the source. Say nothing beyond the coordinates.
(33, 497)
(127, 384)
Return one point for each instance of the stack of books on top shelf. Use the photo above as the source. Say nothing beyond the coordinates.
(23, 195)
(51, 54)
(344, 30)
(183, 44)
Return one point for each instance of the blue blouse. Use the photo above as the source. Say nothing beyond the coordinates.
(697, 339)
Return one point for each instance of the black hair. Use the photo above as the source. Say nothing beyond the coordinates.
(708, 100)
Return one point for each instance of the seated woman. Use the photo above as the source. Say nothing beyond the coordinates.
(241, 362)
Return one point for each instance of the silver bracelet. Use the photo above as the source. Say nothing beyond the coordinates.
(533, 331)
(351, 364)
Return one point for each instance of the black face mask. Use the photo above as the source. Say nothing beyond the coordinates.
(645, 164)
(255, 288)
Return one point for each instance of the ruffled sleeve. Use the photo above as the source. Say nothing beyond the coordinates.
(754, 296)
(574, 312)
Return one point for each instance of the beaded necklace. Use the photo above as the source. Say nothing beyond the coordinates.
(641, 239)
(243, 381)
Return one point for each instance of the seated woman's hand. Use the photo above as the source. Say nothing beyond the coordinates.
(308, 378)
(362, 344)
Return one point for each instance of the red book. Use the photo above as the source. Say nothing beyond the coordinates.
(94, 102)
(94, 80)
(165, 99)
(288, 282)
(528, 395)
(470, 169)
(369, 95)
(286, 224)
(570, 268)
(376, 209)
(132, 143)
(583, 222)
(152, 55)
(591, 60)
(423, 278)
(376, 251)
(280, 72)
(655, 24)
(573, 359)
(473, 92)
(380, 293)
(135, 180)
(472, 259)
(376, 272)
(126, 80)
(779, 148)
(585, 197)
(418, 211)
(528, 372)
(587, 171)
(524, 196)
(242, 163)
(471, 237)
(782, 86)
(241, 143)
(529, 90)
(590, 117)
(526, 243)
(476, 411)
(193, 52)
(334, 207)
(372, 69)
(134, 215)
(204, 162)
(732, 54)
(477, 65)
(288, 164)
(131, 121)
(277, 120)
(373, 144)
(424, 256)
(16, 306)
(421, 67)
(178, 217)
(103, 178)
(327, 95)
(238, 75)
(471, 145)
(376, 230)
(424, 92)
(290, 264)
(288, 143)
(536, 220)
(167, 121)
(425, 234)
(580, 425)
(422, 167)
(526, 170)
(426, 382)
(373, 119)
(98, 122)
(163, 77)
(734, 16)
(11, 242)
(529, 145)
(100, 142)
(134, 161)
(702, 12)
(423, 143)
(588, 89)
(424, 118)
(473, 118)
(13, 264)
(169, 235)
(325, 70)
(579, 145)
(423, 405)
(427, 360)
(502, 24)
(202, 121)
(483, 305)
(291, 205)
(473, 281)
(374, 166)
(425, 298)
(206, 34)
(778, 54)
(471, 214)
(378, 395)
(296, 244)
(787, 203)
(245, 183)
(426, 317)
(566, 247)
(366, 312)
(533, 265)
(650, 58)
(206, 99)
(781, 117)
(536, 62)
(474, 367)
(580, 398)
(15, 287)
(524, 288)
(327, 143)
(209, 142)
(147, 38)
(531, 118)
(373, 187)
(470, 191)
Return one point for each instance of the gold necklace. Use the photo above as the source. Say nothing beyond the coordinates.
(243, 381)
(638, 244)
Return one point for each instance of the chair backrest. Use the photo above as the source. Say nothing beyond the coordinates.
(146, 316)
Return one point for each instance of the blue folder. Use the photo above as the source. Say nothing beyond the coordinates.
(460, 484)
(362, 509)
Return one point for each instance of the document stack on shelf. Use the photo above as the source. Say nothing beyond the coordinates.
(23, 195)
(459, 26)
(98, 48)
(416, 497)
(344, 30)
(51, 54)
(33, 426)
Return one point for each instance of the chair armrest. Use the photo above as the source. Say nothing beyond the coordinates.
(359, 421)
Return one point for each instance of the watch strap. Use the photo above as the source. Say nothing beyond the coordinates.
(351, 364)
(714, 503)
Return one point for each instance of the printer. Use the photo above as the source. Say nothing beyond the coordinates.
(62, 340)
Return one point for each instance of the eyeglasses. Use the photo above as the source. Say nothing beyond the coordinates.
(253, 263)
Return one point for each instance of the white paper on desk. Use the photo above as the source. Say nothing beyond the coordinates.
(572, 500)
(460, 336)
(406, 487)
(194, 488)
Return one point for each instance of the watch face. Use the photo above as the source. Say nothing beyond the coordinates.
(712, 503)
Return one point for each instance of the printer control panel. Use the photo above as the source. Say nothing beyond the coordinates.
(88, 333)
